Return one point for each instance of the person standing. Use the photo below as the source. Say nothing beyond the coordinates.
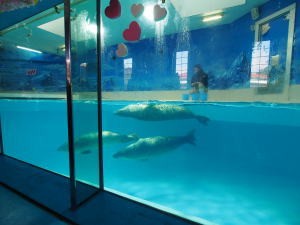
(199, 83)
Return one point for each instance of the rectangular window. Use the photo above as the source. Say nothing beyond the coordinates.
(260, 64)
(127, 71)
(182, 67)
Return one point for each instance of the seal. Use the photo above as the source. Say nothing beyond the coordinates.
(87, 142)
(149, 147)
(159, 112)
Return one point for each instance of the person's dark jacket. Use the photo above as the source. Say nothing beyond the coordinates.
(201, 77)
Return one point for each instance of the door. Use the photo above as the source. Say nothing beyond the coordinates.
(275, 33)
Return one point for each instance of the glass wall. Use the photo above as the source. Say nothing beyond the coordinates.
(33, 101)
(203, 100)
(84, 79)
(200, 103)
(32, 76)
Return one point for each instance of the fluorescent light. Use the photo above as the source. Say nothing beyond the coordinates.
(149, 12)
(29, 49)
(213, 13)
(212, 18)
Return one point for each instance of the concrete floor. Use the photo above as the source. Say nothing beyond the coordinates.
(14, 210)
(52, 192)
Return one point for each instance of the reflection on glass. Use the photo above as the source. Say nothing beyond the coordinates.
(84, 79)
(34, 68)
(204, 160)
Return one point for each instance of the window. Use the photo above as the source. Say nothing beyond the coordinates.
(260, 64)
(127, 71)
(182, 67)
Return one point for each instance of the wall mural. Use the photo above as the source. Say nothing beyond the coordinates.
(223, 51)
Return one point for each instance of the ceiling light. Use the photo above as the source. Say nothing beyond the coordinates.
(212, 18)
(28, 49)
(54, 26)
(148, 12)
(213, 13)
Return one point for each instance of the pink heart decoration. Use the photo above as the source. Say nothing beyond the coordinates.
(133, 33)
(159, 13)
(137, 10)
(113, 10)
(122, 50)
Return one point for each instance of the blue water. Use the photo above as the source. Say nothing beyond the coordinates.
(243, 170)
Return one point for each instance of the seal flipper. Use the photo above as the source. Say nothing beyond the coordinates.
(190, 137)
(202, 119)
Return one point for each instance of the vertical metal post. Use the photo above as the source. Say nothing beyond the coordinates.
(1, 139)
(99, 94)
(67, 20)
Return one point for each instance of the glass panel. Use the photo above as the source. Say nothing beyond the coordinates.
(186, 147)
(32, 86)
(84, 80)
(35, 129)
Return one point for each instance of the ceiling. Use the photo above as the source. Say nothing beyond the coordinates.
(44, 31)
(189, 8)
(12, 17)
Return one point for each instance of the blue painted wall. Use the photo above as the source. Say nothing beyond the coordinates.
(23, 70)
(224, 52)
(154, 63)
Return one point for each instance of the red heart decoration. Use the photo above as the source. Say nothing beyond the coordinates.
(133, 33)
(113, 10)
(137, 10)
(159, 13)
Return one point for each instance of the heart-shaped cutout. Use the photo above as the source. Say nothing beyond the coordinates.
(159, 13)
(137, 10)
(122, 50)
(133, 33)
(113, 10)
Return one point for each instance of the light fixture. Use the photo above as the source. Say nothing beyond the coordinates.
(148, 12)
(212, 17)
(28, 49)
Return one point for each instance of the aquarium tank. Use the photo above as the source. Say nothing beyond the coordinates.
(191, 107)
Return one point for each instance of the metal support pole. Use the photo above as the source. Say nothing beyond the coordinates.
(67, 10)
(1, 139)
(99, 95)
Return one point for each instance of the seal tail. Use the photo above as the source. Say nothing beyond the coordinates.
(190, 137)
(202, 119)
